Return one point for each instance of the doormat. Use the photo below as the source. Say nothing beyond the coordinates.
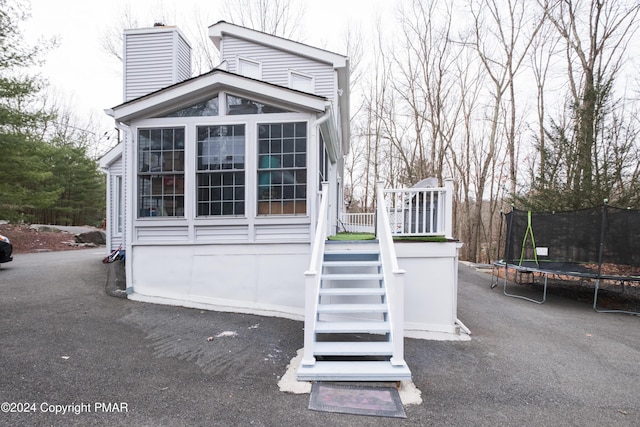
(358, 400)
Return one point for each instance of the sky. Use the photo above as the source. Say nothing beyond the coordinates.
(85, 77)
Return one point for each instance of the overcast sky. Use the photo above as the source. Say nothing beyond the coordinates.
(82, 74)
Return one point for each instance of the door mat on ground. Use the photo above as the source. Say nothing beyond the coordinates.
(359, 400)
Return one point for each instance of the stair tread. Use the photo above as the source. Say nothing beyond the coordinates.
(352, 276)
(352, 291)
(350, 348)
(351, 263)
(351, 251)
(353, 371)
(352, 308)
(373, 326)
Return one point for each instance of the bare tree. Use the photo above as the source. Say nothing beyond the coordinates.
(427, 86)
(282, 18)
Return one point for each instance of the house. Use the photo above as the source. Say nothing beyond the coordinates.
(225, 185)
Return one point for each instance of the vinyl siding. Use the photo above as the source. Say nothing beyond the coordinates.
(276, 65)
(154, 60)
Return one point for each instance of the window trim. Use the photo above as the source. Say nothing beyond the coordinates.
(311, 81)
(162, 174)
(282, 201)
(240, 60)
(198, 172)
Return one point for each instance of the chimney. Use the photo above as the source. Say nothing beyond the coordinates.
(154, 58)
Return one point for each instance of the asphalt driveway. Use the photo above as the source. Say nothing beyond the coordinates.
(66, 346)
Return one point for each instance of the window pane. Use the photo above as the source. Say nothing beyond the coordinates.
(221, 170)
(237, 105)
(207, 107)
(282, 172)
(160, 172)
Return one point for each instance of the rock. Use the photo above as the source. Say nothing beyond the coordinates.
(96, 237)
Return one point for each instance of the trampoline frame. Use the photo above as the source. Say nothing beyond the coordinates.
(495, 279)
(597, 276)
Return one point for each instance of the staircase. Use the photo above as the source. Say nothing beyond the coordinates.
(353, 337)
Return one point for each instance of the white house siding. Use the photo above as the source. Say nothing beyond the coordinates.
(162, 234)
(276, 65)
(154, 59)
(114, 236)
(431, 289)
(266, 279)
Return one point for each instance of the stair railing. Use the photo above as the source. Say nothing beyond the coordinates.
(393, 278)
(312, 278)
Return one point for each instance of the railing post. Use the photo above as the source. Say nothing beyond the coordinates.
(312, 278)
(448, 211)
(393, 278)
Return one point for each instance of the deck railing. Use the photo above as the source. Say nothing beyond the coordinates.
(393, 280)
(361, 222)
(312, 278)
(411, 212)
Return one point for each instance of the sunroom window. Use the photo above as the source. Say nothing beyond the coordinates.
(282, 168)
(221, 170)
(237, 105)
(161, 172)
(208, 107)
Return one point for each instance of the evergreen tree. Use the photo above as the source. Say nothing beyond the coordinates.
(22, 169)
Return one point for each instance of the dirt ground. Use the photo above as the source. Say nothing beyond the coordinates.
(27, 239)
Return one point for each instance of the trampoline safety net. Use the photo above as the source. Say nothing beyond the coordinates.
(587, 238)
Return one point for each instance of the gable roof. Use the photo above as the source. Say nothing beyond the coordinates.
(110, 156)
(188, 91)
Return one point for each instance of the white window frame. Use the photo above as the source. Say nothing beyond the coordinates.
(309, 87)
(119, 205)
(254, 71)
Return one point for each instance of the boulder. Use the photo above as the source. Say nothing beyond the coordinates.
(96, 237)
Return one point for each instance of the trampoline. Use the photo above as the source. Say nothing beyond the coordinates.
(601, 245)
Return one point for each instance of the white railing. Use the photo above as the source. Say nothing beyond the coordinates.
(420, 211)
(393, 279)
(312, 278)
(411, 212)
(363, 222)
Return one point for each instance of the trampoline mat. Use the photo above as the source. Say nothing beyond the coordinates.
(358, 400)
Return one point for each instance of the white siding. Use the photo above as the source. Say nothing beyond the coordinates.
(283, 233)
(154, 59)
(162, 234)
(218, 233)
(276, 65)
(115, 187)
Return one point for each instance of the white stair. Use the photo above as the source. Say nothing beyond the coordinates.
(352, 336)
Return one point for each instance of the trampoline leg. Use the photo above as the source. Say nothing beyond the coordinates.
(597, 310)
(544, 293)
(494, 277)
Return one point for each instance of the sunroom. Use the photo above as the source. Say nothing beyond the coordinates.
(221, 176)
(227, 158)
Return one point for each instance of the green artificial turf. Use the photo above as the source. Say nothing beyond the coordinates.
(371, 236)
